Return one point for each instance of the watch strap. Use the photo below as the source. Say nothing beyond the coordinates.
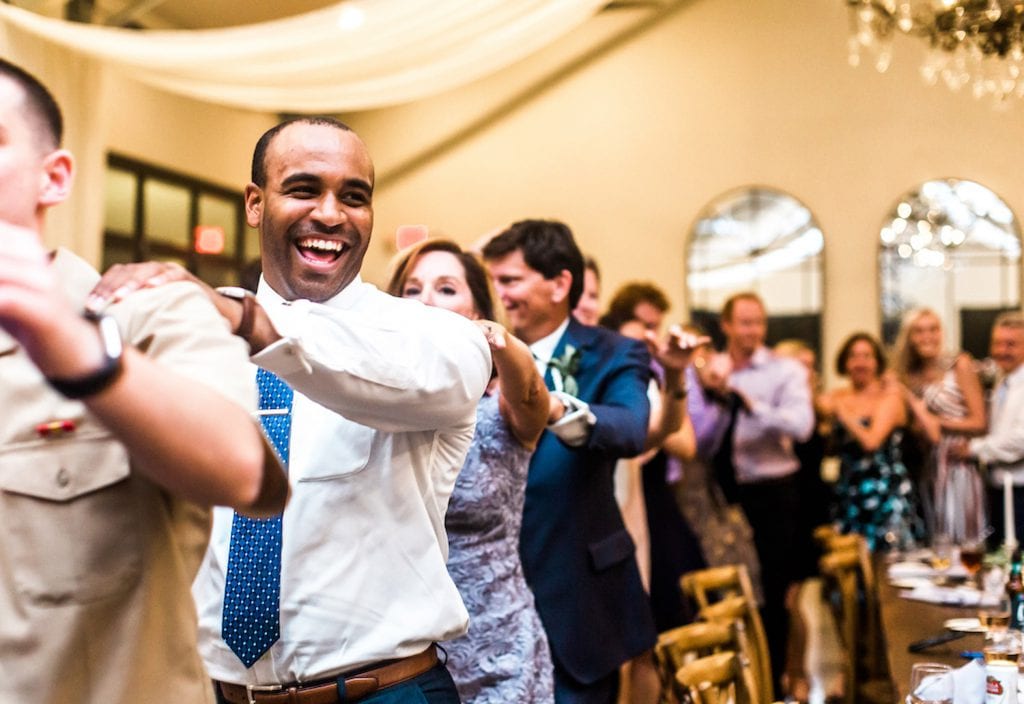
(109, 372)
(248, 301)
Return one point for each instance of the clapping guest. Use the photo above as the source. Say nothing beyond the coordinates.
(875, 496)
(813, 497)
(504, 657)
(945, 397)
(751, 442)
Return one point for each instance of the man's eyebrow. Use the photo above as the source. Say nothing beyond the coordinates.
(300, 177)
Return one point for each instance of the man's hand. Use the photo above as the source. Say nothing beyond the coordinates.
(676, 350)
(122, 280)
(35, 312)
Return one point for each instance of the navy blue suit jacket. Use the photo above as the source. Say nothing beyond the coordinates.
(577, 556)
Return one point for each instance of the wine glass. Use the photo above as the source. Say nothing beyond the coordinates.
(931, 683)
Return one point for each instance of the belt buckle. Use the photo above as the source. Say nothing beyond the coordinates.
(250, 689)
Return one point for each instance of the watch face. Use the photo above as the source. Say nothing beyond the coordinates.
(236, 292)
(110, 336)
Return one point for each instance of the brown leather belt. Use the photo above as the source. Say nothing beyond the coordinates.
(357, 686)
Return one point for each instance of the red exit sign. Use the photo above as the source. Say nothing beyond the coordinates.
(209, 239)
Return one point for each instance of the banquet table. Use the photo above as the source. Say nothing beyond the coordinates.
(905, 621)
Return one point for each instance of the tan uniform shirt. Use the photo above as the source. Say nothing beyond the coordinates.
(96, 561)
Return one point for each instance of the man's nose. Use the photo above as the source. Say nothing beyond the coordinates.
(329, 210)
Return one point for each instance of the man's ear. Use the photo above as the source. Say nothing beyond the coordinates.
(55, 180)
(562, 284)
(253, 205)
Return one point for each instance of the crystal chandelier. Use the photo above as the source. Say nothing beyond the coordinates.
(977, 44)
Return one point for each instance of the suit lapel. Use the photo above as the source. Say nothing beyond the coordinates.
(582, 338)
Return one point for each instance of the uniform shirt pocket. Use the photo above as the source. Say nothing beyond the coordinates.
(72, 527)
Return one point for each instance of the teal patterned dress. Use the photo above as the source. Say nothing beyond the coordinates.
(875, 495)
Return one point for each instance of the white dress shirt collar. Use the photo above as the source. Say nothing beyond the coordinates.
(344, 298)
(544, 348)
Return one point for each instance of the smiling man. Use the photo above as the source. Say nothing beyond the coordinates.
(1002, 448)
(381, 394)
(577, 556)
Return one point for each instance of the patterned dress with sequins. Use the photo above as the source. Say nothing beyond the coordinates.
(874, 495)
(504, 657)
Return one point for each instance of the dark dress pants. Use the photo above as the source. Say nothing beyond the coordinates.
(773, 508)
(995, 515)
(569, 691)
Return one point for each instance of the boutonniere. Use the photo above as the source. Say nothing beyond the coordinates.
(564, 370)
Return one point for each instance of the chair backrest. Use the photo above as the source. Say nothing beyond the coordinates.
(680, 645)
(718, 679)
(870, 626)
(840, 568)
(730, 585)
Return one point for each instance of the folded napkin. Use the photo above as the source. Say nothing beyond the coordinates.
(968, 684)
(903, 570)
(962, 595)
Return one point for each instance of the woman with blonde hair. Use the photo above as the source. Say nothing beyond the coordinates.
(945, 397)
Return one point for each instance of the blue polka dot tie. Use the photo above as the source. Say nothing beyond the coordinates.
(252, 593)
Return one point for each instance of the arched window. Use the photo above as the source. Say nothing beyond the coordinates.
(763, 240)
(953, 246)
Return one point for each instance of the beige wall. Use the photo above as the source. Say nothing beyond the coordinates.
(722, 93)
(207, 141)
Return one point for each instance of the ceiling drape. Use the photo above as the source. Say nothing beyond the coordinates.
(354, 55)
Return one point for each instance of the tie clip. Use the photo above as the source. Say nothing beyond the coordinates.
(55, 428)
(272, 412)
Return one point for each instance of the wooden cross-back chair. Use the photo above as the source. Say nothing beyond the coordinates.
(725, 593)
(848, 572)
(722, 678)
(678, 646)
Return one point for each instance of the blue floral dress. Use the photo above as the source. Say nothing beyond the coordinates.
(504, 657)
(875, 495)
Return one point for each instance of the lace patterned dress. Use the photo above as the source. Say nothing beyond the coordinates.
(958, 494)
(504, 657)
(874, 495)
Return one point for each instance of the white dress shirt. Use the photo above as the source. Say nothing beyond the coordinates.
(384, 410)
(574, 426)
(1003, 447)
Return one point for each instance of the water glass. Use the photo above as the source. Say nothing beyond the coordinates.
(931, 683)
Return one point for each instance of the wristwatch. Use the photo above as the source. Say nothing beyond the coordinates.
(109, 371)
(248, 301)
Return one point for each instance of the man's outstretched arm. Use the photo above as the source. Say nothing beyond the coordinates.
(183, 434)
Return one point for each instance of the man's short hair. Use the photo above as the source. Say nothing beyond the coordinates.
(627, 298)
(547, 247)
(259, 154)
(1010, 319)
(43, 113)
(730, 303)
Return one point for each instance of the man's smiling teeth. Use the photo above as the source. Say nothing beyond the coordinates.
(322, 245)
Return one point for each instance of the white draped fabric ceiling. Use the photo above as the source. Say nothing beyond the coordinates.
(353, 55)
